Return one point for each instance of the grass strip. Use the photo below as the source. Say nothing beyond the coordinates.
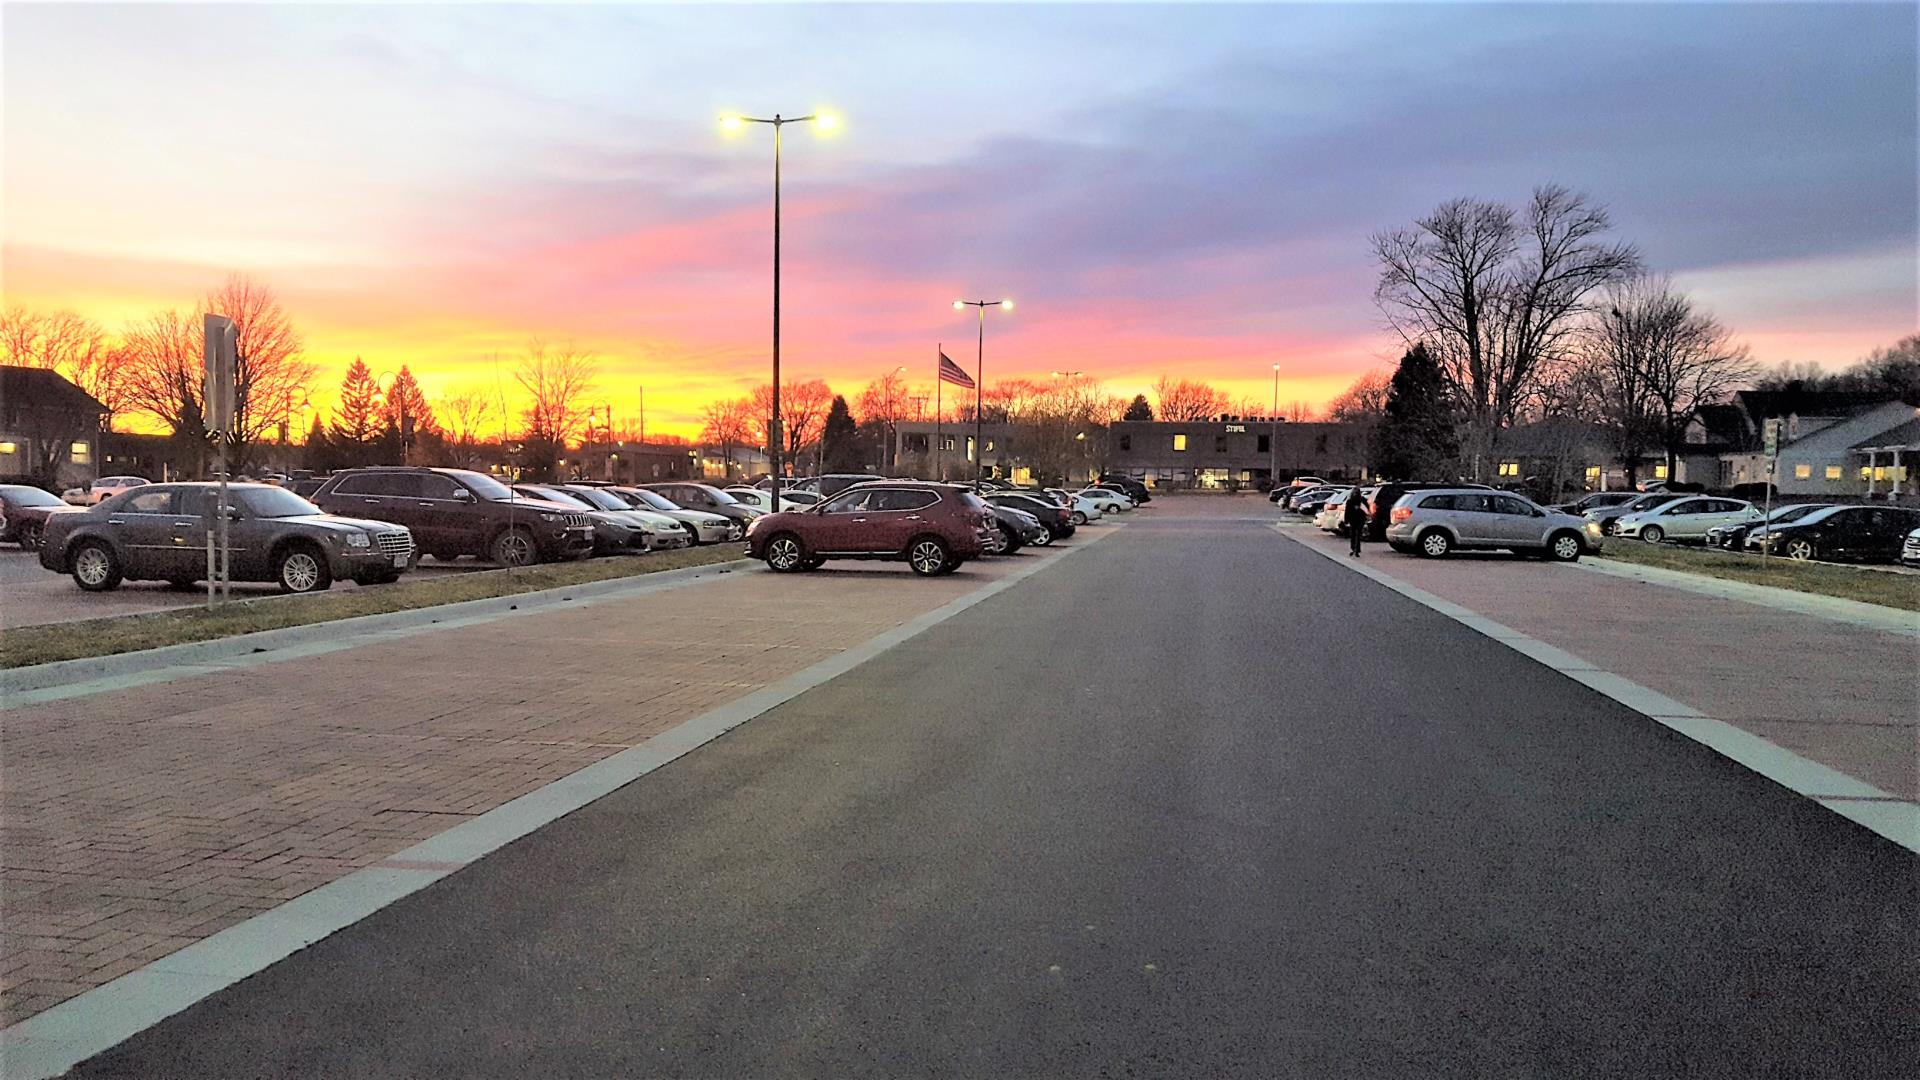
(1822, 579)
(22, 646)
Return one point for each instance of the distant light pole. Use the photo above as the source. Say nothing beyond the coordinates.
(887, 459)
(1273, 440)
(822, 122)
(979, 378)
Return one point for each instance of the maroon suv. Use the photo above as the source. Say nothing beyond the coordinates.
(933, 527)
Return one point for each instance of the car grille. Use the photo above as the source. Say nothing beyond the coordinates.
(579, 519)
(396, 542)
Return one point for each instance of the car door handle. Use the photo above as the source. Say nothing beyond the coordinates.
(858, 520)
(425, 504)
(371, 502)
(185, 524)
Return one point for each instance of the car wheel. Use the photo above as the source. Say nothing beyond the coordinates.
(1653, 534)
(1564, 547)
(786, 554)
(1404, 549)
(29, 535)
(301, 569)
(1079, 518)
(1433, 543)
(1800, 550)
(515, 547)
(928, 556)
(95, 567)
(180, 584)
(444, 556)
(814, 562)
(1044, 538)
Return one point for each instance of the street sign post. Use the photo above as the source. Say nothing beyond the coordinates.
(1771, 439)
(220, 359)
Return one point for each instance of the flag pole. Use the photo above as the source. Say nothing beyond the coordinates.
(939, 377)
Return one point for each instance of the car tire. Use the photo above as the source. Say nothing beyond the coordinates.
(442, 556)
(95, 567)
(1653, 534)
(1563, 547)
(814, 562)
(1434, 543)
(302, 568)
(1800, 550)
(929, 556)
(786, 553)
(1079, 518)
(514, 547)
(1404, 549)
(181, 584)
(29, 535)
(1045, 539)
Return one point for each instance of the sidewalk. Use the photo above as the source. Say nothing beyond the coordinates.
(1839, 694)
(135, 822)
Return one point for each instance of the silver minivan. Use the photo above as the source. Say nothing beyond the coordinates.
(1436, 521)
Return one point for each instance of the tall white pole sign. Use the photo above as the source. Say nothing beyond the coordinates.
(220, 354)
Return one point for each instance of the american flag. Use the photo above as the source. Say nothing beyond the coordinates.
(954, 373)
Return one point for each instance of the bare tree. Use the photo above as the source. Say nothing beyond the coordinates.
(1185, 399)
(1364, 401)
(803, 411)
(163, 370)
(466, 417)
(1495, 298)
(71, 344)
(728, 424)
(270, 377)
(558, 382)
(1687, 359)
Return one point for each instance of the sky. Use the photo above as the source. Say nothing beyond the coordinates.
(1178, 190)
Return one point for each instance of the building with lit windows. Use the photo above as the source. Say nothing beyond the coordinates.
(49, 429)
(1233, 454)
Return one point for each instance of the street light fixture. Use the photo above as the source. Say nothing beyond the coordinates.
(979, 377)
(733, 123)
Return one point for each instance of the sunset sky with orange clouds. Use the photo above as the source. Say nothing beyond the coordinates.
(1178, 190)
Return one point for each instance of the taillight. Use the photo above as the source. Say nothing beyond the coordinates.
(1402, 513)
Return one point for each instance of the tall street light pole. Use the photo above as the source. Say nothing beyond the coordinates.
(1273, 440)
(1082, 437)
(777, 122)
(979, 379)
(892, 426)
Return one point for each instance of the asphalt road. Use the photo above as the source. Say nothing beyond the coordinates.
(1194, 803)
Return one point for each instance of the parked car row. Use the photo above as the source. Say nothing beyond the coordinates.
(367, 525)
(933, 527)
(1434, 519)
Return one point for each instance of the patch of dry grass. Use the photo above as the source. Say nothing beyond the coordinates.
(1825, 579)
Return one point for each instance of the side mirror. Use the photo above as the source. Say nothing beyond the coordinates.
(462, 495)
(234, 513)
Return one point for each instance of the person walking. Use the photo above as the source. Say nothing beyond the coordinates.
(1354, 516)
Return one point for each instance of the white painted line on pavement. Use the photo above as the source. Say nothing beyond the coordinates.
(54, 1041)
(1892, 817)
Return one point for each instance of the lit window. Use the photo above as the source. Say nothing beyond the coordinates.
(1509, 468)
(1180, 443)
(1865, 472)
(1834, 472)
(80, 453)
(1803, 472)
(1593, 474)
(1659, 472)
(989, 444)
(9, 448)
(1879, 472)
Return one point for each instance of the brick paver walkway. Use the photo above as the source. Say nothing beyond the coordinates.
(1842, 695)
(135, 822)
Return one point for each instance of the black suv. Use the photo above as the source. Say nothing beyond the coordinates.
(455, 512)
(1133, 489)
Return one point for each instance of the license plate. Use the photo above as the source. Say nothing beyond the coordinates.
(400, 561)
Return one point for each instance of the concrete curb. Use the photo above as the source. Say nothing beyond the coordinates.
(1856, 800)
(1838, 609)
(54, 1041)
(18, 685)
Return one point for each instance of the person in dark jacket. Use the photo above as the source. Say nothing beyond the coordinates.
(1354, 516)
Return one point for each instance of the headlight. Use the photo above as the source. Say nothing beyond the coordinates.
(544, 516)
(359, 539)
(1593, 526)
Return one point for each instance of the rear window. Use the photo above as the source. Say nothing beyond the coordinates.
(971, 501)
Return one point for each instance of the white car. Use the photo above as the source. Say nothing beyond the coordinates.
(1083, 510)
(762, 500)
(1332, 511)
(1686, 519)
(104, 488)
(1107, 500)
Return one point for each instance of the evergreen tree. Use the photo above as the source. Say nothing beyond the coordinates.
(1418, 435)
(319, 448)
(404, 401)
(356, 420)
(1139, 409)
(840, 446)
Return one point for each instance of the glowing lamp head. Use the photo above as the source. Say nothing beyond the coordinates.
(959, 304)
(826, 122)
(732, 123)
(1006, 305)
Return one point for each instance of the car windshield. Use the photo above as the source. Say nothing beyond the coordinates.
(1795, 513)
(1818, 514)
(30, 496)
(484, 486)
(596, 497)
(722, 498)
(658, 502)
(559, 495)
(272, 502)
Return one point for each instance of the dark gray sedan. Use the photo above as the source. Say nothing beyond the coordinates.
(158, 532)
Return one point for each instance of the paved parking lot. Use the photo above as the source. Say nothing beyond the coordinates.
(31, 595)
